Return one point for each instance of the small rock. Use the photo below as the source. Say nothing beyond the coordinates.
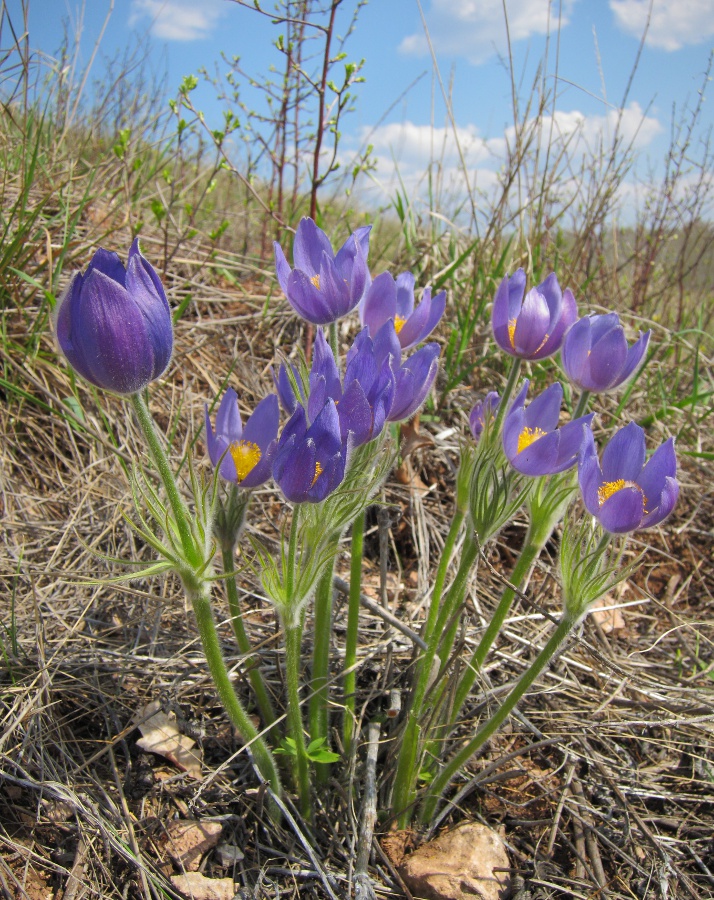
(463, 864)
(190, 840)
(228, 855)
(197, 886)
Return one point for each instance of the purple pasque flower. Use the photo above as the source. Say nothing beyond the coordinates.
(244, 454)
(483, 413)
(324, 286)
(388, 298)
(532, 440)
(624, 492)
(310, 460)
(413, 381)
(114, 324)
(369, 390)
(531, 326)
(595, 354)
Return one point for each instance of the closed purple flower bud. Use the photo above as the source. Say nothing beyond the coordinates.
(595, 354)
(389, 299)
(624, 492)
(244, 454)
(483, 413)
(310, 460)
(114, 324)
(532, 326)
(413, 380)
(369, 387)
(532, 440)
(324, 286)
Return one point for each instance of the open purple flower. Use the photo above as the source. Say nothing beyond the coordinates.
(310, 460)
(389, 299)
(324, 286)
(483, 413)
(244, 454)
(625, 493)
(595, 354)
(114, 324)
(532, 440)
(532, 326)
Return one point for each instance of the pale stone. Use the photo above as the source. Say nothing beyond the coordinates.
(463, 864)
(190, 840)
(198, 887)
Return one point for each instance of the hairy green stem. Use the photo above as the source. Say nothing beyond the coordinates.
(293, 643)
(318, 716)
(350, 678)
(200, 596)
(262, 697)
(408, 758)
(506, 396)
(192, 553)
(443, 779)
(582, 405)
(522, 567)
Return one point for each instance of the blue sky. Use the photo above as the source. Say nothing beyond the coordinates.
(589, 62)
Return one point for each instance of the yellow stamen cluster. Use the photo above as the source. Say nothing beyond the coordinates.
(605, 491)
(246, 456)
(529, 436)
(399, 323)
(512, 332)
(316, 281)
(318, 472)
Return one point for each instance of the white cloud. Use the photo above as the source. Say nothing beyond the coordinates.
(673, 23)
(406, 153)
(476, 29)
(177, 20)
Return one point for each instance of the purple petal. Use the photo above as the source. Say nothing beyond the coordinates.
(561, 320)
(590, 476)
(576, 349)
(506, 306)
(310, 245)
(228, 419)
(108, 263)
(623, 511)
(606, 361)
(387, 346)
(294, 469)
(355, 414)
(262, 426)
(423, 320)
(282, 267)
(307, 301)
(572, 438)
(513, 425)
(667, 501)
(544, 411)
(624, 455)
(601, 324)
(413, 381)
(531, 325)
(380, 303)
(635, 357)
(324, 365)
(660, 466)
(405, 294)
(538, 458)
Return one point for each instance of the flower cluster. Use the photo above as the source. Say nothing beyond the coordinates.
(624, 494)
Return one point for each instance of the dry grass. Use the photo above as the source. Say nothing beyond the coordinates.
(604, 781)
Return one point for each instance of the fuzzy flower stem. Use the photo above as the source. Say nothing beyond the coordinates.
(318, 707)
(293, 641)
(334, 340)
(506, 395)
(582, 406)
(350, 679)
(441, 571)
(443, 779)
(262, 696)
(525, 561)
(192, 553)
(200, 597)
(408, 760)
